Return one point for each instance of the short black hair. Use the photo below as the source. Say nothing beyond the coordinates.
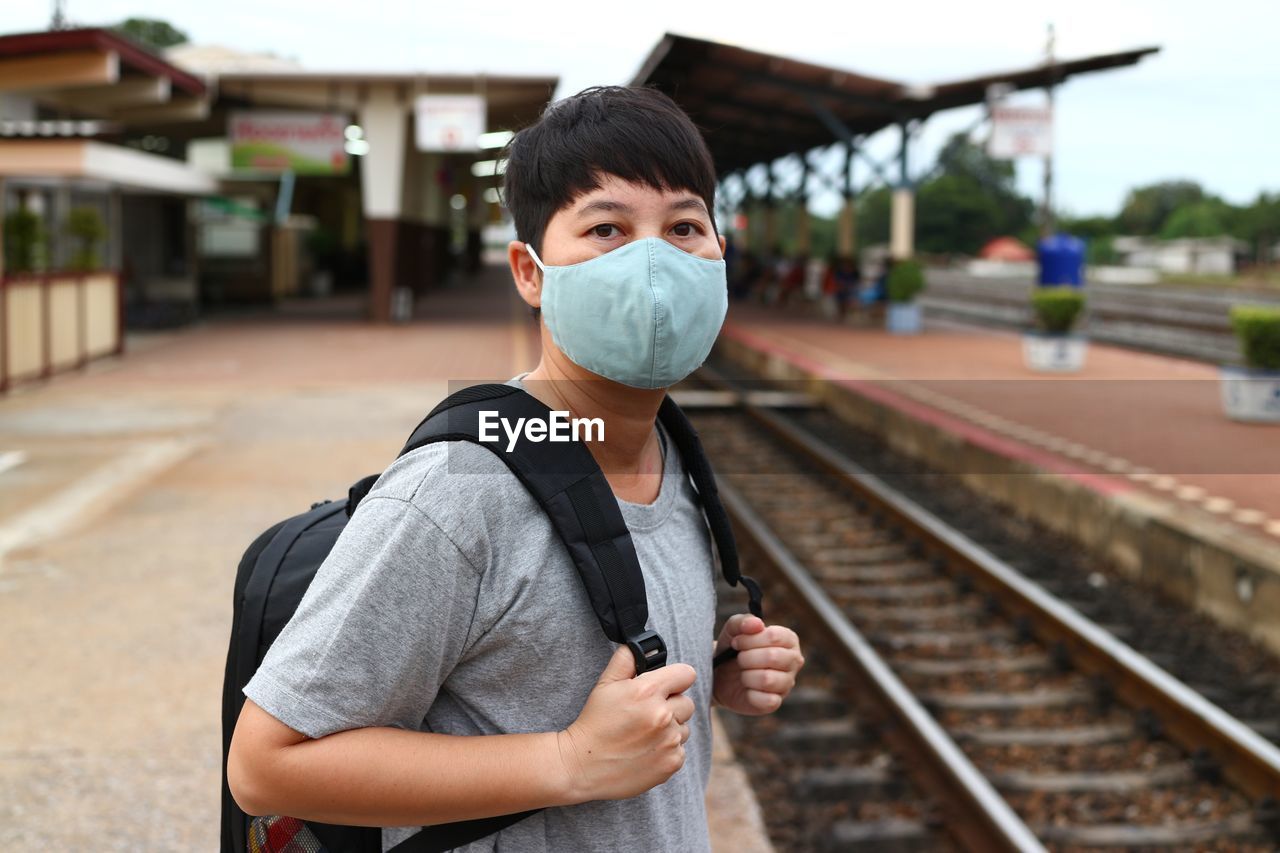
(637, 133)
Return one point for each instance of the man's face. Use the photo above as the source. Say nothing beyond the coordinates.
(601, 220)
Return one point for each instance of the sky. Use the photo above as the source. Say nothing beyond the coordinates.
(1207, 107)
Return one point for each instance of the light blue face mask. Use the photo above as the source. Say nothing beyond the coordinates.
(644, 314)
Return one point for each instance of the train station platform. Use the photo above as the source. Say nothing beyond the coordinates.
(1132, 457)
(128, 493)
(1128, 421)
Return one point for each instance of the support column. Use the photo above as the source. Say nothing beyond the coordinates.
(902, 225)
(382, 117)
(847, 224)
(742, 207)
(902, 220)
(477, 215)
(847, 229)
(770, 214)
(802, 210)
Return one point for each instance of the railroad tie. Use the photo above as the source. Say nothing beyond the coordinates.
(1109, 782)
(854, 784)
(886, 835)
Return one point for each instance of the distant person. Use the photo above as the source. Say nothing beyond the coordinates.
(793, 279)
(842, 282)
(446, 662)
(774, 266)
(748, 272)
(878, 290)
(731, 256)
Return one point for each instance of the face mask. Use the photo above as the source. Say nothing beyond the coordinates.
(644, 314)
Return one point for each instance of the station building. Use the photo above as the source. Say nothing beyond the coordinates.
(137, 190)
(141, 190)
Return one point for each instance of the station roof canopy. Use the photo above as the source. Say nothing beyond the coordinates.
(755, 107)
(99, 74)
(510, 101)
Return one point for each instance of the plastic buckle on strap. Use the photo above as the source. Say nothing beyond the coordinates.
(649, 650)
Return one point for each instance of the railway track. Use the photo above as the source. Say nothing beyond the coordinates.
(1016, 723)
(1174, 321)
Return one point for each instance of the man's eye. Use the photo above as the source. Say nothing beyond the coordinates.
(690, 225)
(596, 230)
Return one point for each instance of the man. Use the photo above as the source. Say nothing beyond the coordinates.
(446, 663)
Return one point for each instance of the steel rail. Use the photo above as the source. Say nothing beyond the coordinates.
(977, 816)
(1246, 759)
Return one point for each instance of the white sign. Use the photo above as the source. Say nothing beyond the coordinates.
(449, 122)
(1020, 132)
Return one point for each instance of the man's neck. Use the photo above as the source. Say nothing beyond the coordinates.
(628, 415)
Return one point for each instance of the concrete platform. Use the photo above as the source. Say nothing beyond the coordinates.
(1132, 455)
(128, 493)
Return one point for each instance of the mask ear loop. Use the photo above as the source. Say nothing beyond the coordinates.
(534, 255)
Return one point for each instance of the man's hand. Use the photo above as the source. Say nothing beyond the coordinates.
(763, 673)
(630, 735)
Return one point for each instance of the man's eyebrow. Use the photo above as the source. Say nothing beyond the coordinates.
(609, 205)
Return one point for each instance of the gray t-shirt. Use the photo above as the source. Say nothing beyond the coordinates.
(450, 605)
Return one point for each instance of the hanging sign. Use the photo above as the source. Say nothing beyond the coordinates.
(449, 122)
(1020, 132)
(303, 143)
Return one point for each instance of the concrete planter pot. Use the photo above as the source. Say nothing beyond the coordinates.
(903, 318)
(1049, 353)
(1250, 394)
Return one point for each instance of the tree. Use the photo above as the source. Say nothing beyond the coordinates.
(971, 199)
(1088, 227)
(873, 216)
(1208, 218)
(1147, 208)
(953, 214)
(1259, 224)
(152, 32)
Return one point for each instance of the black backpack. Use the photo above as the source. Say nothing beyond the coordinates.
(563, 477)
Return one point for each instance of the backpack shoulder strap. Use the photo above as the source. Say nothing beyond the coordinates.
(565, 480)
(704, 481)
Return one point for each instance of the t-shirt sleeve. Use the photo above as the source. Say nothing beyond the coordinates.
(379, 629)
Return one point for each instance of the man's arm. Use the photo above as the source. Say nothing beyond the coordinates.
(390, 777)
(629, 737)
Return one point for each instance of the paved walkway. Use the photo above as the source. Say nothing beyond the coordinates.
(1136, 420)
(127, 496)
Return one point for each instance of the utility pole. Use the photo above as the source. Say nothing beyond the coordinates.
(1046, 214)
(59, 19)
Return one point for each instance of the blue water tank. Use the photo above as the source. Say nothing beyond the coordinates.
(1061, 260)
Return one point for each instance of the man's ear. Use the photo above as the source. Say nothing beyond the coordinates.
(722, 245)
(525, 272)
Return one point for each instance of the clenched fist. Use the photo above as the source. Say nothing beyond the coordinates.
(631, 732)
(763, 673)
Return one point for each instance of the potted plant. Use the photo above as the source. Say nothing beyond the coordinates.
(1052, 347)
(1252, 393)
(85, 226)
(23, 241)
(906, 280)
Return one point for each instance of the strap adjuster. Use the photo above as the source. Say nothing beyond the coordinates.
(649, 650)
(755, 604)
(755, 596)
